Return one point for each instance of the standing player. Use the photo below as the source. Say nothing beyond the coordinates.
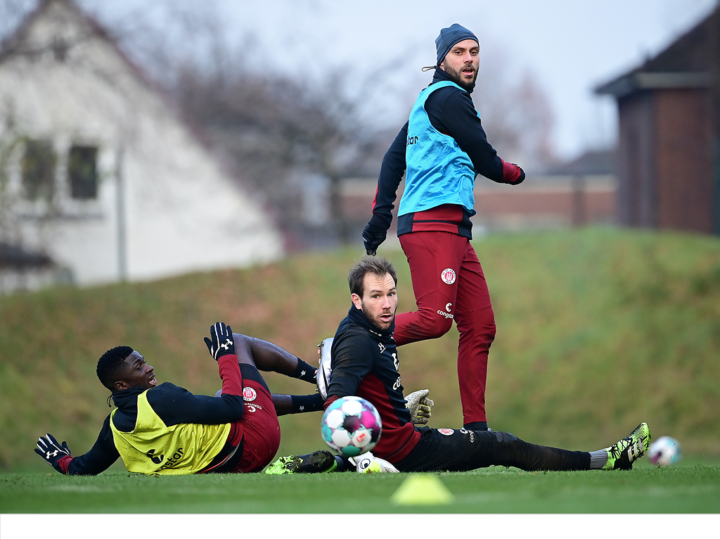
(165, 429)
(441, 149)
(365, 363)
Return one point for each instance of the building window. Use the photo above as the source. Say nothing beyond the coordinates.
(82, 172)
(60, 49)
(38, 170)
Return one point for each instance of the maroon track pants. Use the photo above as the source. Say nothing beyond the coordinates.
(449, 283)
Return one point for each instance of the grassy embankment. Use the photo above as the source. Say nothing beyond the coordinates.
(597, 331)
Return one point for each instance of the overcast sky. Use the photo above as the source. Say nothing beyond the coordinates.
(569, 45)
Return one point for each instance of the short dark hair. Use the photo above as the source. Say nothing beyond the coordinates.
(372, 264)
(111, 364)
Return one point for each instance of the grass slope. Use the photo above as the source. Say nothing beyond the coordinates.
(597, 331)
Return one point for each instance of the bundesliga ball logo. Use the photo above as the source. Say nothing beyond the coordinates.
(351, 426)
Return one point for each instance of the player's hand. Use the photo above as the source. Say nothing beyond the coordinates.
(221, 342)
(420, 406)
(512, 174)
(49, 449)
(374, 234)
(521, 178)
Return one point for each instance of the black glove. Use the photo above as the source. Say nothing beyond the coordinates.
(49, 449)
(222, 342)
(375, 233)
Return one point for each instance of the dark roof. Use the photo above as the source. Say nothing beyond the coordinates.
(16, 257)
(686, 63)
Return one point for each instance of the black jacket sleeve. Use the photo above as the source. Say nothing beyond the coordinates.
(102, 455)
(351, 361)
(176, 405)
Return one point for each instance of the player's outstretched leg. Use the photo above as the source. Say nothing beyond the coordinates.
(317, 462)
(622, 455)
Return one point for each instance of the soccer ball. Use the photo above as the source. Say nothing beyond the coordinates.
(351, 426)
(665, 451)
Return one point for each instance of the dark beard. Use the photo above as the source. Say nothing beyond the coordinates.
(456, 76)
(375, 322)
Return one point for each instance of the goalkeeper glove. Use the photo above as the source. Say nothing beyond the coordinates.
(222, 343)
(49, 449)
(420, 406)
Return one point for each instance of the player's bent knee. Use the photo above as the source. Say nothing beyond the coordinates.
(435, 327)
(243, 349)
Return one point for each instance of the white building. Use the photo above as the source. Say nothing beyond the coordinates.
(101, 173)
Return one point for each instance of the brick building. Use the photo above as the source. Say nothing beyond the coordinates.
(580, 192)
(668, 161)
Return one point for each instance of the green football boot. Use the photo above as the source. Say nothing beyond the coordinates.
(317, 462)
(622, 455)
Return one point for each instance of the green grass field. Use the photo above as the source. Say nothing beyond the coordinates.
(690, 487)
(598, 330)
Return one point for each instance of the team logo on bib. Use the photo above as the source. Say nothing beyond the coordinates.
(249, 394)
(448, 276)
(446, 432)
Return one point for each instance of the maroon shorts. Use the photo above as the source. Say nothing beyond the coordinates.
(261, 429)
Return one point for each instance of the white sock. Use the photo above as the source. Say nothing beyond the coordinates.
(598, 459)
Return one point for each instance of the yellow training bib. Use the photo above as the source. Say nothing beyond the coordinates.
(154, 448)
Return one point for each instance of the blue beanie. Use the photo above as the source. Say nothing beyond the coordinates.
(449, 37)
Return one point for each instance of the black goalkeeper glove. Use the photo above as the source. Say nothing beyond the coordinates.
(49, 449)
(375, 233)
(222, 342)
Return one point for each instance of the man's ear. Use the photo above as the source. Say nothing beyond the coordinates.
(357, 301)
(120, 386)
(442, 65)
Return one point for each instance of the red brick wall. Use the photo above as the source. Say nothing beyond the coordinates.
(684, 160)
(636, 161)
(537, 202)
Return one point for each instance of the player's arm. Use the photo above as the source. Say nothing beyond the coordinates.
(270, 357)
(352, 357)
(297, 404)
(391, 174)
(452, 112)
(176, 405)
(102, 455)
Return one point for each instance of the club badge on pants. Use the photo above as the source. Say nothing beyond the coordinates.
(448, 276)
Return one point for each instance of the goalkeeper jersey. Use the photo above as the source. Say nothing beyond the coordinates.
(365, 363)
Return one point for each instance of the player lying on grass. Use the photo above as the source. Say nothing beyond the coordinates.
(165, 429)
(365, 363)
